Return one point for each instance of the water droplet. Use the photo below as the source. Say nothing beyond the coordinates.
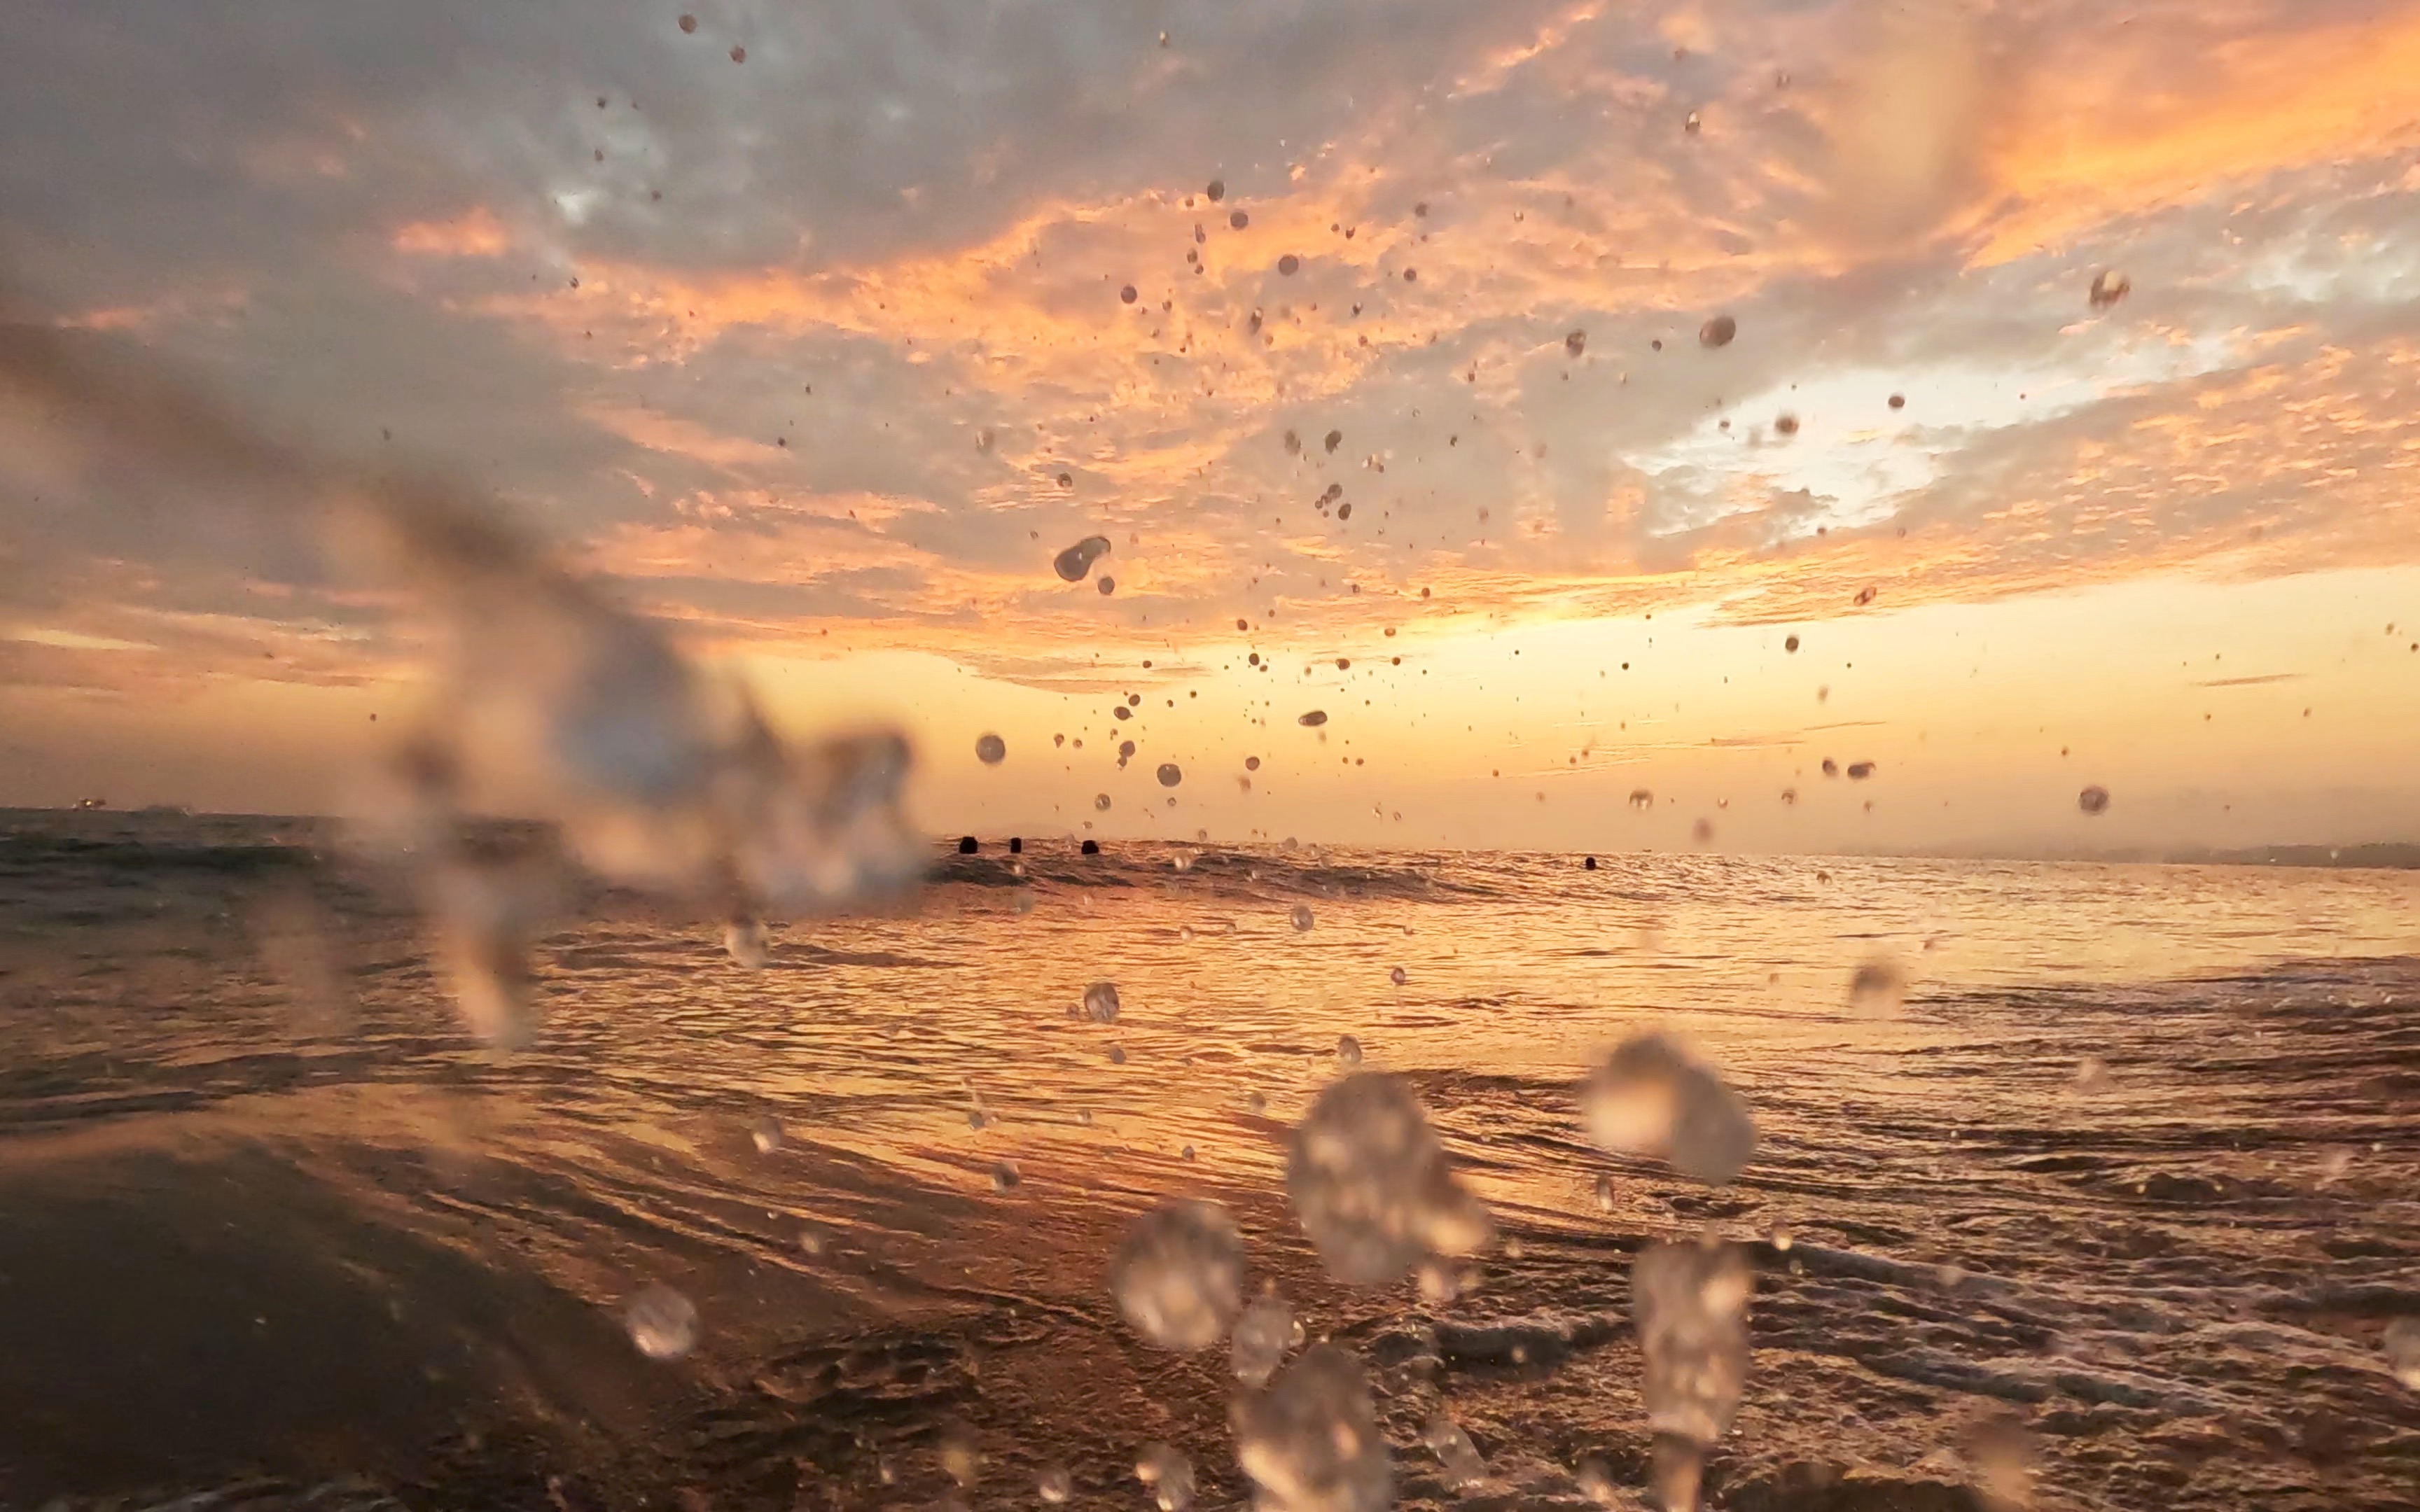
(1101, 801)
(1289, 265)
(1164, 1468)
(1301, 917)
(747, 942)
(1313, 720)
(1878, 989)
(1117, 1055)
(662, 1322)
(765, 1134)
(1576, 342)
(1311, 1443)
(688, 23)
(1054, 1485)
(1649, 1098)
(961, 1454)
(1717, 332)
(1107, 584)
(1262, 1334)
(1604, 1194)
(1641, 800)
(1373, 1187)
(2108, 287)
(1179, 1275)
(1456, 1455)
(1126, 295)
(1785, 424)
(1170, 775)
(1595, 1480)
(1252, 763)
(2402, 1346)
(990, 749)
(1348, 1050)
(1239, 220)
(1255, 1104)
(1101, 1002)
(1397, 976)
(1004, 1177)
(738, 54)
(1077, 560)
(1859, 771)
(2094, 799)
(1333, 440)
(1217, 190)
(1791, 643)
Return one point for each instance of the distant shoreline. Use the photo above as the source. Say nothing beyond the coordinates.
(2377, 856)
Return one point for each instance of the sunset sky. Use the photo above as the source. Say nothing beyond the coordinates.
(805, 329)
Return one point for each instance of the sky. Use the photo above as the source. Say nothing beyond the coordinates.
(1376, 340)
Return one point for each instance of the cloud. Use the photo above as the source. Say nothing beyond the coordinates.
(812, 341)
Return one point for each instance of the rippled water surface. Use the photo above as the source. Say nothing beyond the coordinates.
(2133, 1177)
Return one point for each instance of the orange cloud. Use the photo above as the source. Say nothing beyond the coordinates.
(2093, 141)
(475, 233)
(676, 436)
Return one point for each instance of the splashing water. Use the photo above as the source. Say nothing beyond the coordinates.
(1649, 1098)
(577, 712)
(1311, 1443)
(1179, 1276)
(1691, 1304)
(1372, 1186)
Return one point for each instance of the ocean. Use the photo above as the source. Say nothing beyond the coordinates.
(2104, 1194)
